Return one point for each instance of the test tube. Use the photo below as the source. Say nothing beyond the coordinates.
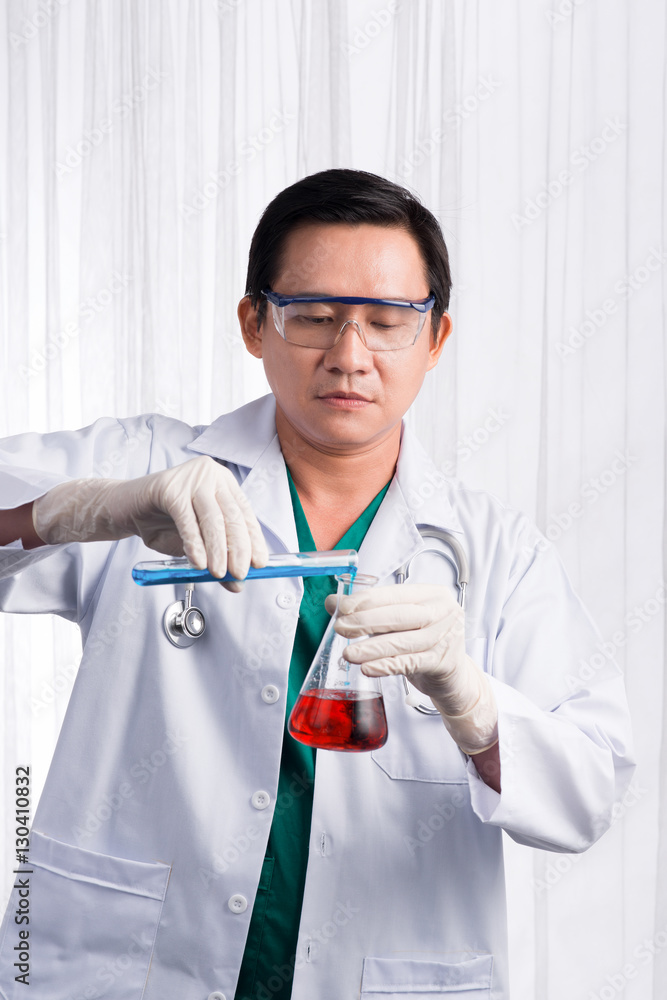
(330, 563)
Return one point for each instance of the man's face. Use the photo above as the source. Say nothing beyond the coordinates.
(347, 399)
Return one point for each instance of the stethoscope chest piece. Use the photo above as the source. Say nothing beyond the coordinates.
(183, 622)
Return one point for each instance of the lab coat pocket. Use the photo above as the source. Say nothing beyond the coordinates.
(92, 921)
(418, 747)
(406, 979)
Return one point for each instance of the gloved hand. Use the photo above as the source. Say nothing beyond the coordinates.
(196, 508)
(418, 630)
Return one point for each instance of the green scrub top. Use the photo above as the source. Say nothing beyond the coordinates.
(267, 968)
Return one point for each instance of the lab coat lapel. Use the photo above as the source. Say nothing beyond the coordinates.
(267, 489)
(247, 438)
(417, 497)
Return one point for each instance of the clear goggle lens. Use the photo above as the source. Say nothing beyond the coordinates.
(321, 325)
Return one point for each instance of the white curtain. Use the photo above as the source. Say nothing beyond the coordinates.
(139, 142)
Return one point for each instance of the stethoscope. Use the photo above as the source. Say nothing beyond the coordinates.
(184, 623)
(457, 557)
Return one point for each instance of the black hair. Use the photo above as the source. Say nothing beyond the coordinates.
(352, 197)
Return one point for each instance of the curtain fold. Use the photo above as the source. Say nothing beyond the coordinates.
(139, 142)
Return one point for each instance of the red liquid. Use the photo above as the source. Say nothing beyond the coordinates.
(339, 720)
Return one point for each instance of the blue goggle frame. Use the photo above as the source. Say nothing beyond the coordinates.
(421, 305)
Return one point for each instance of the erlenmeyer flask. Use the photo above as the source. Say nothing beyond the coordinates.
(338, 707)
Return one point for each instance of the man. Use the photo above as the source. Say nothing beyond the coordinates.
(185, 846)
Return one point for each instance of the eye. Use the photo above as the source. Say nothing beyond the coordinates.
(388, 318)
(313, 320)
(308, 314)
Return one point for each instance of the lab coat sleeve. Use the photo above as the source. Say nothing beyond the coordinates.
(563, 721)
(61, 579)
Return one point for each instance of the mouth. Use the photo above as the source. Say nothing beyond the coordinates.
(345, 400)
(344, 395)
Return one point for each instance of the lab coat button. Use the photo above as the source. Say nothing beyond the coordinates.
(270, 694)
(216, 995)
(285, 600)
(260, 800)
(237, 903)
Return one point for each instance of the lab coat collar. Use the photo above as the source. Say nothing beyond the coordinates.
(417, 497)
(241, 436)
(247, 438)
(426, 490)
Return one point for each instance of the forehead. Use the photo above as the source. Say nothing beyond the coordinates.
(364, 260)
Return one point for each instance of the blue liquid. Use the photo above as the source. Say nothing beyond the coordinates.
(177, 571)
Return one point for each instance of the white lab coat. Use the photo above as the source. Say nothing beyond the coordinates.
(148, 841)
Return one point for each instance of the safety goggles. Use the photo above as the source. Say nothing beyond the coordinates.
(319, 321)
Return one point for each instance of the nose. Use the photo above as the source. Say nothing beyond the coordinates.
(350, 354)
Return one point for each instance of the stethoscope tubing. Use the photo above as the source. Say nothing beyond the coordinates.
(459, 560)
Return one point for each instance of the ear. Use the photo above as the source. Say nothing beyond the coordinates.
(436, 346)
(252, 336)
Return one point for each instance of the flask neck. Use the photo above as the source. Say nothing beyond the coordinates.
(349, 583)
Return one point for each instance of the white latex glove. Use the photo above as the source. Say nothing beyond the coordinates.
(419, 630)
(197, 509)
